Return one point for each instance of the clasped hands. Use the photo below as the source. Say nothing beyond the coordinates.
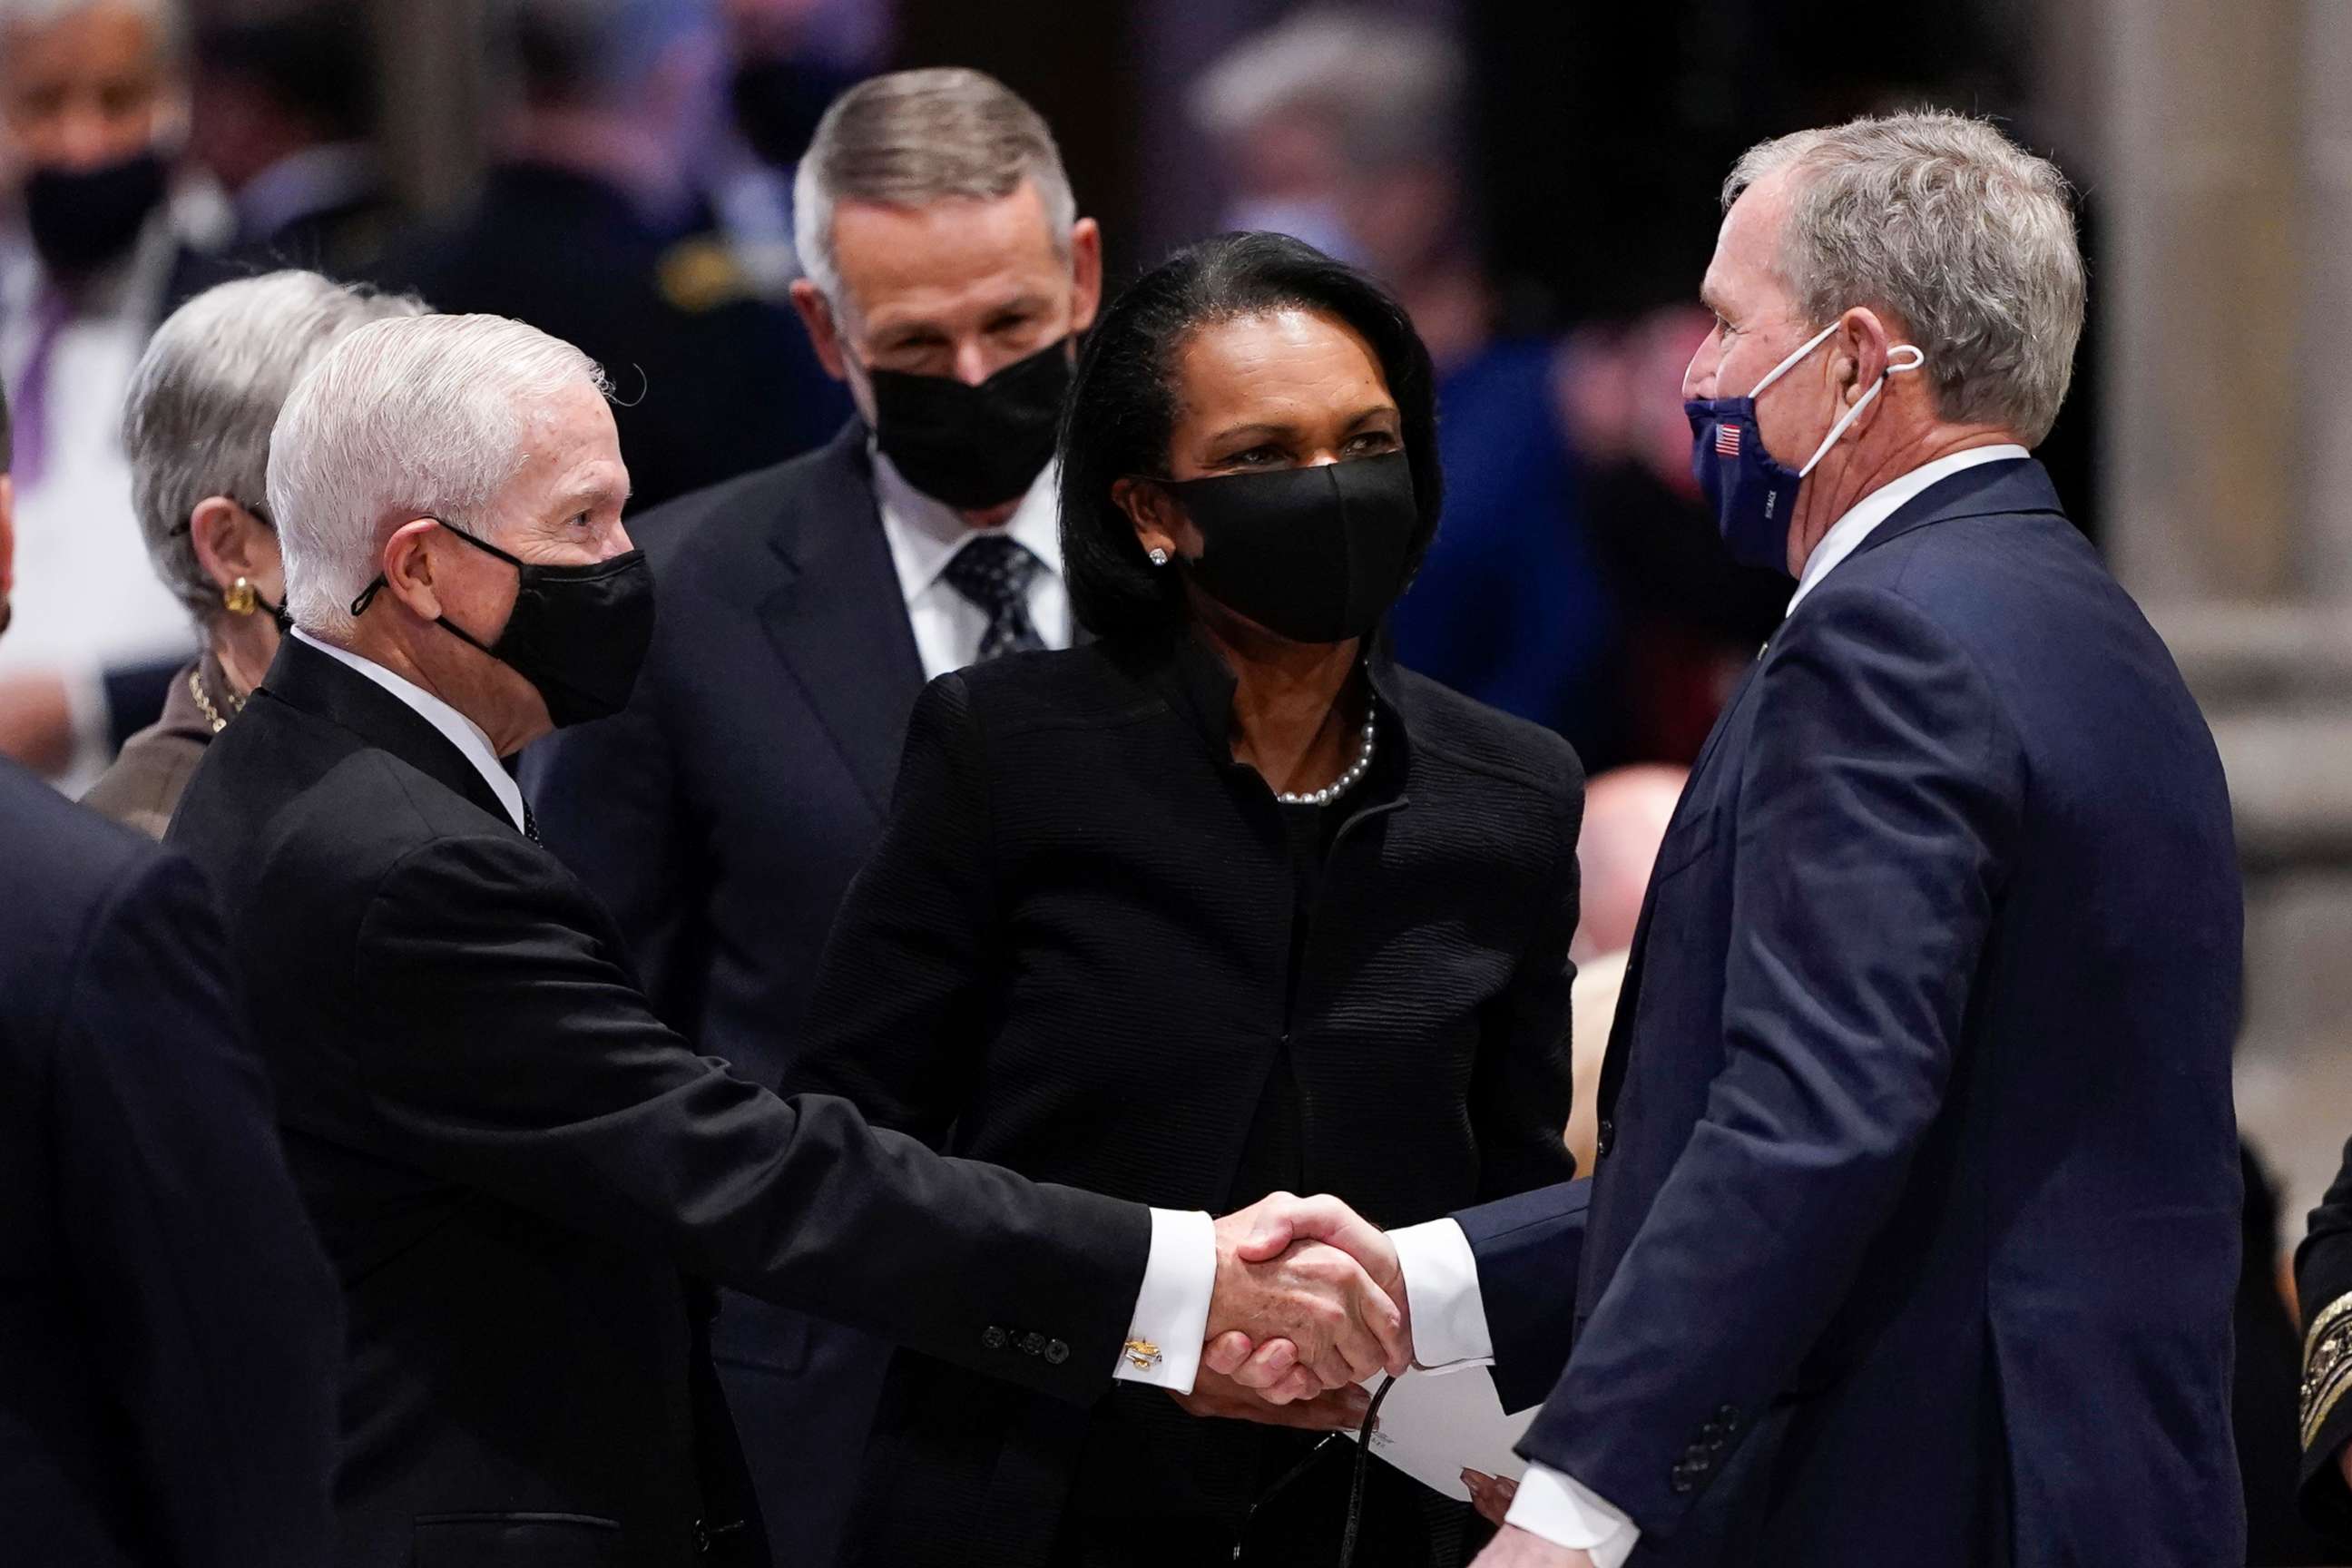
(1309, 1301)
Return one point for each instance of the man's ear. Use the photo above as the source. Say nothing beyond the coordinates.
(407, 566)
(824, 334)
(1086, 273)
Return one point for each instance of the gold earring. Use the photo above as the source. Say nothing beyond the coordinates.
(240, 598)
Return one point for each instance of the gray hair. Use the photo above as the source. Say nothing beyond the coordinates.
(1393, 88)
(427, 416)
(1947, 223)
(168, 18)
(197, 421)
(910, 138)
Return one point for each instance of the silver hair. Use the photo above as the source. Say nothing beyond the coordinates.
(197, 419)
(1945, 221)
(1393, 88)
(169, 18)
(428, 416)
(909, 138)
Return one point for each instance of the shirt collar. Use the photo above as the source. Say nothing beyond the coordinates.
(925, 533)
(1861, 519)
(462, 733)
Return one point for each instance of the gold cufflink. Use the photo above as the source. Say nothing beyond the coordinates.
(1142, 1354)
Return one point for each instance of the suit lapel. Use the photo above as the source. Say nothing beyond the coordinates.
(838, 619)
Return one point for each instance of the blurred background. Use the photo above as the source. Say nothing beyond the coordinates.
(1538, 180)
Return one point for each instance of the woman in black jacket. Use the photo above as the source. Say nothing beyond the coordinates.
(1222, 903)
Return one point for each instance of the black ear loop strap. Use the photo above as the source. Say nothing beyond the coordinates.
(1355, 1484)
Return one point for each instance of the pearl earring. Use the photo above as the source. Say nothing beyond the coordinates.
(1159, 556)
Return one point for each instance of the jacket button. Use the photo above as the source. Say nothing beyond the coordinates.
(1606, 1141)
(1032, 1344)
(1056, 1353)
(994, 1338)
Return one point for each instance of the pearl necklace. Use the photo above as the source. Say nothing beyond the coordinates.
(1345, 781)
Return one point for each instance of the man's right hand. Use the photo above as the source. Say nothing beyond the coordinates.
(1306, 1307)
(1270, 1366)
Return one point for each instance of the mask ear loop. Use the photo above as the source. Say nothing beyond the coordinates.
(1854, 413)
(1778, 371)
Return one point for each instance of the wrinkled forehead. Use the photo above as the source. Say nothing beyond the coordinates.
(569, 460)
(1744, 274)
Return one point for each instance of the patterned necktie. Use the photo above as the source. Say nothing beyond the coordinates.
(994, 572)
(530, 824)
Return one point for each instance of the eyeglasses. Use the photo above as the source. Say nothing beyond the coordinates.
(188, 524)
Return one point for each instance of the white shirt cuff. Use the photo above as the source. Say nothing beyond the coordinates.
(1565, 1512)
(1171, 1311)
(1441, 1290)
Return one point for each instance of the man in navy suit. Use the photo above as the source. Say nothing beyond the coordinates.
(173, 1336)
(1913, 1236)
(722, 815)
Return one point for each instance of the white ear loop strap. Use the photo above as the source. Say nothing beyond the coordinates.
(1851, 415)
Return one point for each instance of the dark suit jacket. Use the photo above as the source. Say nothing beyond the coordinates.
(2323, 1285)
(722, 814)
(1915, 1232)
(169, 1333)
(1073, 954)
(720, 818)
(511, 1161)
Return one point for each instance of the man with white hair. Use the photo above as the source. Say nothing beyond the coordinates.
(92, 106)
(523, 1178)
(1914, 1232)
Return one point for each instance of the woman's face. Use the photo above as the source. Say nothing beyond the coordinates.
(1287, 389)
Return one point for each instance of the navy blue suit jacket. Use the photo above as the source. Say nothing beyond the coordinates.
(170, 1338)
(1915, 1231)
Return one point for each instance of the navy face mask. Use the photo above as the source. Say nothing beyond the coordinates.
(1753, 494)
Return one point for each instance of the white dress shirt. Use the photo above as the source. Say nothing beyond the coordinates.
(1861, 519)
(1449, 1317)
(472, 743)
(1180, 1273)
(926, 533)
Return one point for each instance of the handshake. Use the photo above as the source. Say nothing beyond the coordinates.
(1309, 1301)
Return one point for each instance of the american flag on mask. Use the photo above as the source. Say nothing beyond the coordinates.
(1727, 440)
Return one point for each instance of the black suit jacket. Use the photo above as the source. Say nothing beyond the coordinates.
(169, 1333)
(722, 814)
(511, 1161)
(1914, 1235)
(1073, 953)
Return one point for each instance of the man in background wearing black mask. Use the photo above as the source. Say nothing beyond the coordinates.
(722, 816)
(92, 103)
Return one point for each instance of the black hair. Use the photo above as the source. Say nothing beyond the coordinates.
(1122, 405)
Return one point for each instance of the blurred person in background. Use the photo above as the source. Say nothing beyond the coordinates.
(593, 226)
(722, 816)
(1626, 813)
(284, 116)
(173, 1334)
(93, 112)
(1220, 903)
(196, 426)
(1349, 130)
(788, 60)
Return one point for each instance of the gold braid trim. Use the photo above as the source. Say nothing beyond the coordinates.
(2326, 1364)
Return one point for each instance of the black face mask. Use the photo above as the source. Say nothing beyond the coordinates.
(578, 634)
(1315, 554)
(973, 446)
(80, 219)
